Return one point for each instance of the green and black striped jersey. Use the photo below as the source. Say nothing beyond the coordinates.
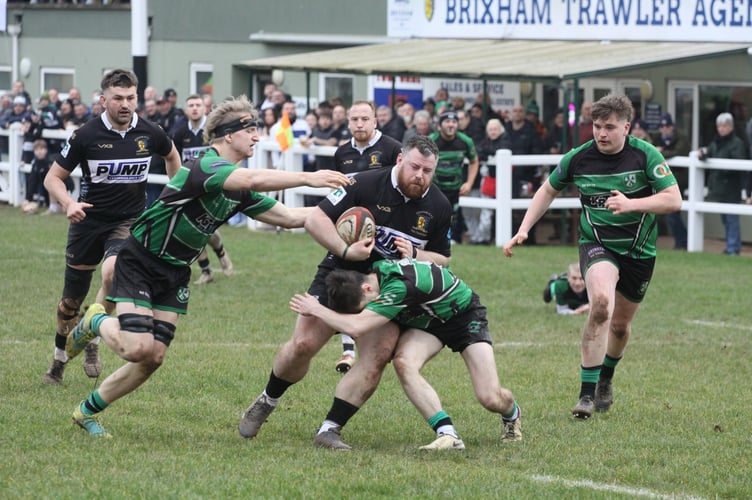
(639, 170)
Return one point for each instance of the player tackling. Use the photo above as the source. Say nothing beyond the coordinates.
(152, 272)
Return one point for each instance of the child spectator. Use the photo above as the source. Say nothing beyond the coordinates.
(568, 290)
(36, 194)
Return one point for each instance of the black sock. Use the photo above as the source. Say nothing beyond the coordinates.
(204, 265)
(60, 341)
(341, 412)
(276, 386)
(219, 251)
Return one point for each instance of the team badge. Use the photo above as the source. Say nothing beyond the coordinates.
(428, 9)
(142, 143)
(422, 223)
(375, 160)
(183, 295)
(630, 180)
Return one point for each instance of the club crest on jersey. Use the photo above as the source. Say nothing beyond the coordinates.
(142, 144)
(375, 160)
(422, 223)
(183, 295)
(630, 180)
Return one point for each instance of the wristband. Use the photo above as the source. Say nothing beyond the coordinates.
(415, 252)
(344, 254)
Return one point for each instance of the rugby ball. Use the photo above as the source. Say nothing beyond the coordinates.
(355, 224)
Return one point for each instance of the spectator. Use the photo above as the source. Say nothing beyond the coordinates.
(532, 115)
(151, 112)
(54, 98)
(342, 131)
(208, 103)
(80, 114)
(171, 115)
(471, 127)
(65, 114)
(269, 89)
(725, 186)
(639, 130)
(18, 113)
(496, 138)
(585, 127)
(268, 118)
(430, 106)
(36, 194)
(150, 93)
(671, 143)
(552, 142)
(422, 125)
(389, 123)
(406, 111)
(20, 90)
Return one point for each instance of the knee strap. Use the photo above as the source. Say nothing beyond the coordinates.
(163, 331)
(76, 286)
(136, 323)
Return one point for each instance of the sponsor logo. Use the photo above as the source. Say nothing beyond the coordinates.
(121, 171)
(384, 208)
(336, 196)
(662, 170)
(385, 245)
(104, 146)
(598, 201)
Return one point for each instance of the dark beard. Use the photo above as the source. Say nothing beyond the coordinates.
(411, 190)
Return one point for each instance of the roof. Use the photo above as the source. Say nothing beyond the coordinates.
(496, 59)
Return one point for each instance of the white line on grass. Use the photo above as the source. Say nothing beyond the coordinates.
(612, 488)
(718, 324)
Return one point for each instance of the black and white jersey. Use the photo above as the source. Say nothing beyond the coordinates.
(114, 167)
(189, 143)
(424, 222)
(382, 153)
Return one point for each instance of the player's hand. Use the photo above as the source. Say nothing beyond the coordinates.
(75, 212)
(517, 239)
(465, 189)
(404, 247)
(360, 250)
(618, 203)
(328, 178)
(304, 304)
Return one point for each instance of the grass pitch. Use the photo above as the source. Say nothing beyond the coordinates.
(680, 426)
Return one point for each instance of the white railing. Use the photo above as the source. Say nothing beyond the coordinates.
(268, 155)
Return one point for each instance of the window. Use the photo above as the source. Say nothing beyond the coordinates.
(695, 106)
(5, 79)
(61, 79)
(336, 85)
(201, 78)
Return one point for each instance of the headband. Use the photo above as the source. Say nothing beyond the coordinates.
(235, 125)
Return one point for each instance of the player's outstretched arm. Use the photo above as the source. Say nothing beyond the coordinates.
(283, 216)
(538, 206)
(260, 180)
(354, 325)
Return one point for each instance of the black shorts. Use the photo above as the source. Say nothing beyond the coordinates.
(92, 239)
(147, 281)
(467, 328)
(634, 274)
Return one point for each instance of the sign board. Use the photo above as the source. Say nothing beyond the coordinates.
(643, 20)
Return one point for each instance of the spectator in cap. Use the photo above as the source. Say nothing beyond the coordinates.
(172, 116)
(670, 143)
(532, 114)
(639, 129)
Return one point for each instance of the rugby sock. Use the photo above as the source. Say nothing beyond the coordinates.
(609, 365)
(589, 378)
(93, 404)
(96, 322)
(204, 265)
(276, 386)
(514, 415)
(60, 354)
(340, 412)
(442, 424)
(219, 251)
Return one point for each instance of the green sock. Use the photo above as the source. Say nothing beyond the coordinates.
(609, 365)
(93, 404)
(96, 321)
(515, 413)
(589, 378)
